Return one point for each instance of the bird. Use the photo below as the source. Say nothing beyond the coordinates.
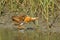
(23, 19)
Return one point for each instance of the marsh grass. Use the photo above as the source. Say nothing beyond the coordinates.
(7, 34)
(44, 9)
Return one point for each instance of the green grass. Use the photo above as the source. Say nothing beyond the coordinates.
(44, 9)
(7, 34)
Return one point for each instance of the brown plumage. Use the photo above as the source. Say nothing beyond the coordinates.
(23, 19)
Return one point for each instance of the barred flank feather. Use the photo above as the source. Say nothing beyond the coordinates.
(21, 20)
